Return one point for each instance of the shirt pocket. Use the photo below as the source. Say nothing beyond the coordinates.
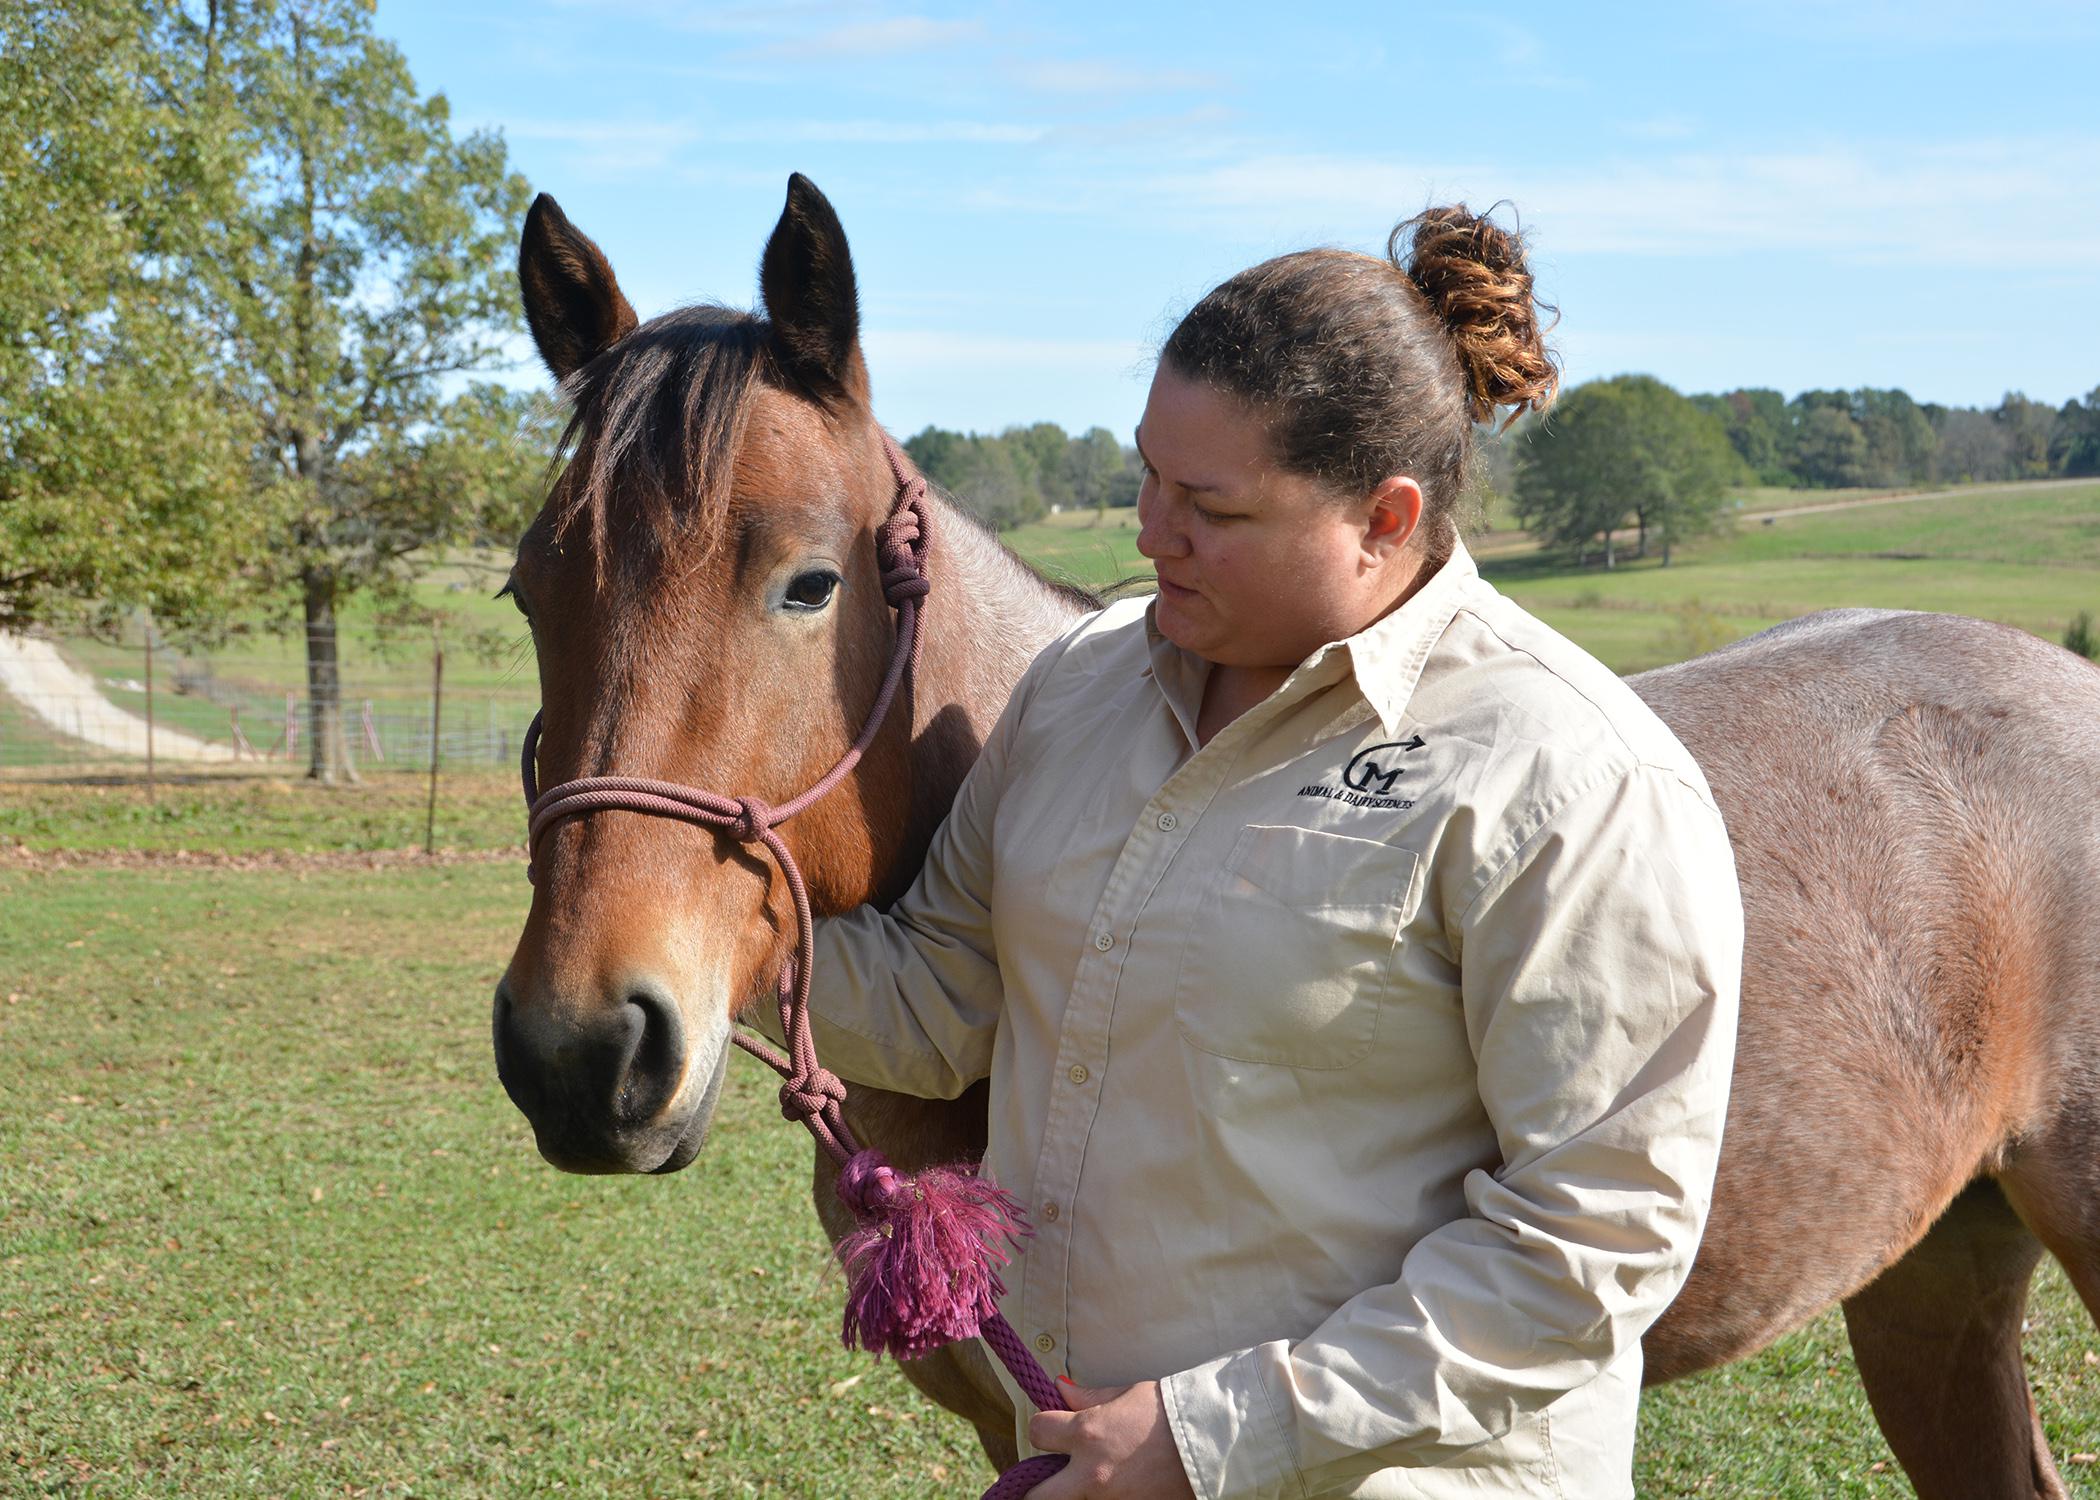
(1290, 958)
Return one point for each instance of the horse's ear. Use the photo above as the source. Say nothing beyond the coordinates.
(575, 307)
(807, 281)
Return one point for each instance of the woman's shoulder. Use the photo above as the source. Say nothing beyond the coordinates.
(1108, 639)
(1544, 698)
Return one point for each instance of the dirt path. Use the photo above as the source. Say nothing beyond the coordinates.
(42, 681)
(1906, 497)
(1503, 544)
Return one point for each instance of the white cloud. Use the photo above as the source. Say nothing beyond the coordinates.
(1660, 128)
(1888, 25)
(885, 132)
(1925, 204)
(884, 37)
(908, 348)
(612, 148)
(1101, 76)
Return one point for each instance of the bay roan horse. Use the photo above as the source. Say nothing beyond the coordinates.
(1916, 1107)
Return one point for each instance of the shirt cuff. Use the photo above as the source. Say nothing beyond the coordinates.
(1232, 1437)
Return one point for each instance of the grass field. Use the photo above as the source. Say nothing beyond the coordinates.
(257, 814)
(2023, 555)
(269, 1226)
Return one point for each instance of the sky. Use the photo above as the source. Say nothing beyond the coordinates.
(1795, 195)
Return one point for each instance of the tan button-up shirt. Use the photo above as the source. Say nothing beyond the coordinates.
(1363, 1069)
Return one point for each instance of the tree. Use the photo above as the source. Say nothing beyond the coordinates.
(1972, 447)
(2027, 426)
(1900, 440)
(1039, 457)
(2074, 445)
(1830, 451)
(1759, 429)
(366, 261)
(124, 471)
(1620, 447)
(1093, 468)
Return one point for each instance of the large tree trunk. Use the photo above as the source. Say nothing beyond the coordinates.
(328, 752)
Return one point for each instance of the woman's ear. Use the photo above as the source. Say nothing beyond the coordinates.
(572, 302)
(1391, 515)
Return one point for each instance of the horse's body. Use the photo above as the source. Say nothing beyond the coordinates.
(1916, 1105)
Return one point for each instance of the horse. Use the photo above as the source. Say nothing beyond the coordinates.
(1915, 1115)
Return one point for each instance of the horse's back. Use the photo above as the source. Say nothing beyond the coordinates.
(1910, 799)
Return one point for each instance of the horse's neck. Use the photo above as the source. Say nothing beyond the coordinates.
(987, 617)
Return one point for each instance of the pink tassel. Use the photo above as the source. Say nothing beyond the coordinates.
(922, 1264)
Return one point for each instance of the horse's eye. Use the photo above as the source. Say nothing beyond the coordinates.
(812, 590)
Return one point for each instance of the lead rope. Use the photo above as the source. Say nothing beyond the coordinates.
(922, 1263)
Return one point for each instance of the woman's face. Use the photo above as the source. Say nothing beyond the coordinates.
(1257, 567)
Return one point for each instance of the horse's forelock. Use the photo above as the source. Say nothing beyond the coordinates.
(654, 426)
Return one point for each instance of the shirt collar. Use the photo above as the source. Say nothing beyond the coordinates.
(1386, 657)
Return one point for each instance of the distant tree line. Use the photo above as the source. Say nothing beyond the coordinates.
(1834, 439)
(1631, 454)
(1024, 473)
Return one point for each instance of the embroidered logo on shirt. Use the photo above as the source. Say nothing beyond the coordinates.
(1368, 779)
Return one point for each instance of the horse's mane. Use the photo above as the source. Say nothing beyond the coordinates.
(655, 422)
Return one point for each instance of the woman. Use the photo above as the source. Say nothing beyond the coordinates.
(1354, 959)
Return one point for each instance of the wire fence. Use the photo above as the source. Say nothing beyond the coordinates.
(129, 700)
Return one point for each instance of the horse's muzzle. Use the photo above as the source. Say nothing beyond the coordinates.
(604, 1094)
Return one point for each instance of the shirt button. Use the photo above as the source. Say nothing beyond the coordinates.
(1049, 1213)
(1168, 822)
(1044, 1343)
(1079, 1073)
(1103, 941)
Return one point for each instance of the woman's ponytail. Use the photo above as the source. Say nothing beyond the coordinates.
(1473, 273)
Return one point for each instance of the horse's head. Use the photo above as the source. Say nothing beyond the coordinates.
(705, 602)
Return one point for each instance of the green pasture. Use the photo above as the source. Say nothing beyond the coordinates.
(269, 1226)
(2025, 555)
(250, 814)
(1088, 548)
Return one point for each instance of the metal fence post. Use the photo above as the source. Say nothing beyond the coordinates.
(437, 704)
(150, 797)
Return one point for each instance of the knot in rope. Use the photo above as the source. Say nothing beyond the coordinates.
(900, 550)
(811, 1094)
(868, 1185)
(754, 815)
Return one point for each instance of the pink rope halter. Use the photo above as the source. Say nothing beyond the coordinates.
(922, 1263)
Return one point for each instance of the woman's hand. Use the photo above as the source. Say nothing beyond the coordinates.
(1120, 1446)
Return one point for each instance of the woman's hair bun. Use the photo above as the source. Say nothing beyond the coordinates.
(1472, 270)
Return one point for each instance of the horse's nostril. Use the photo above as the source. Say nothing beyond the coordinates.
(505, 1044)
(655, 1057)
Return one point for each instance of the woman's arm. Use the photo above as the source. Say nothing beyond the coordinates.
(909, 999)
(1600, 976)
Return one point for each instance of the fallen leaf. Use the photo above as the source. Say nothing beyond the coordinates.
(2085, 1458)
(840, 1387)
